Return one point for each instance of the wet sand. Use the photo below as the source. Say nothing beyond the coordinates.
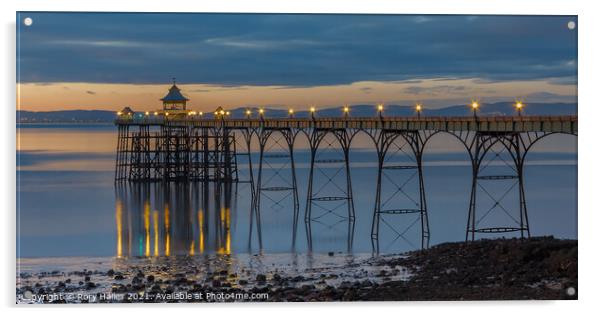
(538, 268)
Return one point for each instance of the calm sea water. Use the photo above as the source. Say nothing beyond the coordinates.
(68, 204)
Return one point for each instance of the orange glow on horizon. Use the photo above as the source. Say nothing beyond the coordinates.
(207, 97)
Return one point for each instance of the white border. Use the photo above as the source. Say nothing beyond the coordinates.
(589, 27)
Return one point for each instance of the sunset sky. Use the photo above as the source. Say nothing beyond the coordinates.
(108, 61)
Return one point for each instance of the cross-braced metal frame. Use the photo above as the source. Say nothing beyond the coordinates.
(176, 153)
(276, 155)
(498, 157)
(329, 196)
(410, 146)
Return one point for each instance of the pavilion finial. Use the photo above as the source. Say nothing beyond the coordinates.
(174, 80)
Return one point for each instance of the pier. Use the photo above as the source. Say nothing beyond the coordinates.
(176, 144)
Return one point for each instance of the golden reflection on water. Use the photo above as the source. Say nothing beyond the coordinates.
(167, 232)
(201, 231)
(147, 228)
(156, 231)
(118, 219)
(185, 227)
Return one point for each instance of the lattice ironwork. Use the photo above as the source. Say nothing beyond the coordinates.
(176, 153)
(400, 188)
(497, 177)
(276, 178)
(329, 188)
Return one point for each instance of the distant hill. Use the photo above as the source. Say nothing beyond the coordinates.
(488, 109)
(66, 116)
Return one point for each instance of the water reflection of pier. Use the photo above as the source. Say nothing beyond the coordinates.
(173, 219)
(191, 218)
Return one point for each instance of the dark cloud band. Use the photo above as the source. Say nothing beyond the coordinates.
(293, 50)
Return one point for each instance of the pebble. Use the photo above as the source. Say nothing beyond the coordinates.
(261, 278)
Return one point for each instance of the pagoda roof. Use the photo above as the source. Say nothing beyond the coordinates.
(174, 95)
(127, 110)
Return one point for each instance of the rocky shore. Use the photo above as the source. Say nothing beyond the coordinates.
(538, 268)
(503, 269)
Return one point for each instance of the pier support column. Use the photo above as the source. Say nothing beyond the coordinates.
(400, 187)
(272, 183)
(497, 181)
(140, 154)
(121, 159)
(329, 166)
(247, 135)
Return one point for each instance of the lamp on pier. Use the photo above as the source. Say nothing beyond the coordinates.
(418, 109)
(219, 113)
(380, 108)
(346, 111)
(291, 113)
(261, 111)
(474, 104)
(248, 113)
(312, 111)
(519, 105)
(146, 113)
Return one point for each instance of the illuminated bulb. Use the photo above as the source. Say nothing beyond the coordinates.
(146, 113)
(248, 112)
(418, 107)
(312, 109)
(119, 113)
(227, 112)
(346, 109)
(156, 113)
(222, 112)
(290, 111)
(166, 113)
(519, 105)
(260, 111)
(475, 104)
(380, 107)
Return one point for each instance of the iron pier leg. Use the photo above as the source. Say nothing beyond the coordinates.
(376, 214)
(308, 203)
(295, 192)
(415, 141)
(324, 195)
(484, 144)
(424, 219)
(257, 202)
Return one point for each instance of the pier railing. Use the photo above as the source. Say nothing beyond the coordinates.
(560, 123)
